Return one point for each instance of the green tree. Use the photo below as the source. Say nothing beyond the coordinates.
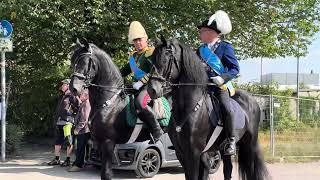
(45, 30)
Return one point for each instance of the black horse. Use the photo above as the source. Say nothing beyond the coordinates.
(108, 117)
(177, 66)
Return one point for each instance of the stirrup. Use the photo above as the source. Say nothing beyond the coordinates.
(230, 147)
(152, 141)
(155, 140)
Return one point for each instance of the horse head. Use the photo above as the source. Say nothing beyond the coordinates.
(167, 66)
(84, 66)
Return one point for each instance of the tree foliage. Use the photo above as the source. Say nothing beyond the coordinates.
(45, 30)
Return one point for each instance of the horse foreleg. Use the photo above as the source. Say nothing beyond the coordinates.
(107, 153)
(191, 163)
(204, 167)
(227, 166)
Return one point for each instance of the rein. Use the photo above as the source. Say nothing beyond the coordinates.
(191, 84)
(111, 87)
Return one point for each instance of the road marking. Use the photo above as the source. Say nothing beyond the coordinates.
(26, 167)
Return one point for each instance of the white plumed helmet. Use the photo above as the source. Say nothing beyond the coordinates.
(219, 21)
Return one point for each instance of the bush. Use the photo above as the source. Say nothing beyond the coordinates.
(13, 138)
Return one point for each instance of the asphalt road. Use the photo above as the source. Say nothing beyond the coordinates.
(31, 164)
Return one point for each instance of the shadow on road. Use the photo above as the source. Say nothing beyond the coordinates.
(33, 158)
(61, 172)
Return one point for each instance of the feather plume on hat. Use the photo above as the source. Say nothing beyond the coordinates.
(222, 20)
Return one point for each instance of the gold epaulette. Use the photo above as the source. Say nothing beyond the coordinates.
(145, 79)
(131, 53)
(149, 51)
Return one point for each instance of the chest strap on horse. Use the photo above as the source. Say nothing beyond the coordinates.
(112, 99)
(195, 109)
(105, 104)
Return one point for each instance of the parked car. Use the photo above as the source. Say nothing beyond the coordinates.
(145, 158)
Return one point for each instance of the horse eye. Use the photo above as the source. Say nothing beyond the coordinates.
(165, 58)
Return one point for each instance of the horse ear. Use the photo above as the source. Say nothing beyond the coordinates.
(78, 43)
(163, 39)
(85, 43)
(157, 42)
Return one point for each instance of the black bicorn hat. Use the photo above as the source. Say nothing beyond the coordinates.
(212, 26)
(219, 22)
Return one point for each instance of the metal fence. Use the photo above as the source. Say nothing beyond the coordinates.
(289, 126)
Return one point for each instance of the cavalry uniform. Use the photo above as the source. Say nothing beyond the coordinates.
(223, 66)
(139, 67)
(222, 62)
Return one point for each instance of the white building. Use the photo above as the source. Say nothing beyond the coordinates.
(289, 80)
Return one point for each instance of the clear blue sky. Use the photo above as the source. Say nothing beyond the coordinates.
(250, 70)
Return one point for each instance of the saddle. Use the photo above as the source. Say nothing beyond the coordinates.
(161, 108)
(215, 114)
(134, 121)
(217, 120)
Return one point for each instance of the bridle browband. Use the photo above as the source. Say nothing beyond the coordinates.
(166, 79)
(87, 76)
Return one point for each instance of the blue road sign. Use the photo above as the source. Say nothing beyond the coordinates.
(5, 29)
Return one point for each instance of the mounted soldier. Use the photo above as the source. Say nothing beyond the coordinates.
(223, 67)
(139, 66)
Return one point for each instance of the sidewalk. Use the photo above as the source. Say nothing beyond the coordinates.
(31, 163)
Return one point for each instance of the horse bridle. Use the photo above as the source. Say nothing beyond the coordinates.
(89, 75)
(166, 79)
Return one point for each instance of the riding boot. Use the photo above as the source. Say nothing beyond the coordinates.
(230, 148)
(148, 115)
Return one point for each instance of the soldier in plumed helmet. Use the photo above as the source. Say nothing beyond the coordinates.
(139, 67)
(223, 67)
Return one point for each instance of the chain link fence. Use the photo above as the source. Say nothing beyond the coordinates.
(289, 126)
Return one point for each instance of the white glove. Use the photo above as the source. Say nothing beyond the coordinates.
(137, 85)
(217, 80)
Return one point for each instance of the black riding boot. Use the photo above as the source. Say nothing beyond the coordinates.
(230, 148)
(224, 98)
(148, 115)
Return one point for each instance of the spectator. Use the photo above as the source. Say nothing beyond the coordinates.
(81, 131)
(64, 117)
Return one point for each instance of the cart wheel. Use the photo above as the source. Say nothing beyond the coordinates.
(215, 161)
(148, 163)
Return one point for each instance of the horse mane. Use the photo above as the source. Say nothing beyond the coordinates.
(194, 70)
(109, 66)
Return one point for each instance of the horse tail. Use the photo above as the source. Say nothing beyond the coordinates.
(251, 164)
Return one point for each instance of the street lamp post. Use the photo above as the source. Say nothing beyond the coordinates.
(261, 71)
(298, 59)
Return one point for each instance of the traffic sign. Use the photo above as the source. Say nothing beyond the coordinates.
(5, 29)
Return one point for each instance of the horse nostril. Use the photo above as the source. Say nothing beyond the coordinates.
(74, 91)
